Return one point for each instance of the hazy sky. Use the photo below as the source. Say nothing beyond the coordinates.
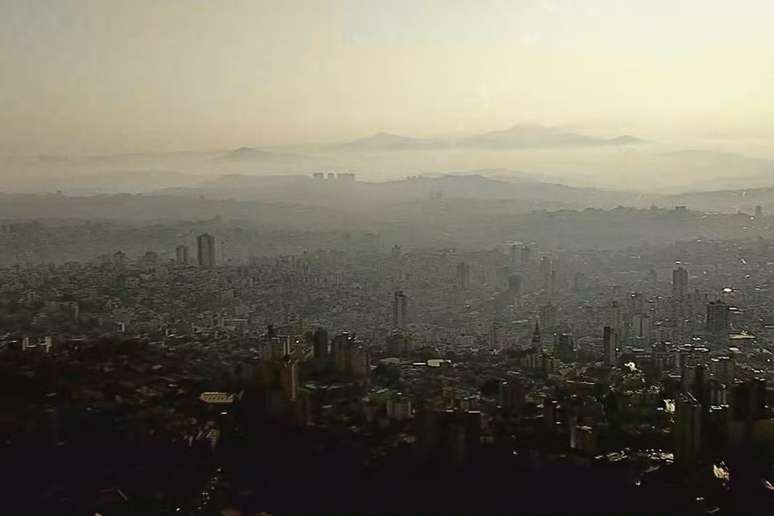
(88, 76)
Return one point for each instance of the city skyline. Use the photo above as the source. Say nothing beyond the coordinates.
(386, 257)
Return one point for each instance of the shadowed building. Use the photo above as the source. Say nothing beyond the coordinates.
(205, 250)
(181, 254)
(687, 429)
(717, 317)
(399, 310)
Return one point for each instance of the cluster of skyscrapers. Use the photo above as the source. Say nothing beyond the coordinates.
(205, 252)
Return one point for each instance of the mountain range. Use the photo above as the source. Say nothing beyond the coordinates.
(305, 190)
(549, 155)
(496, 185)
(516, 137)
(252, 154)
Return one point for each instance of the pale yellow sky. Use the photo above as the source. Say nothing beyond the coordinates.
(96, 76)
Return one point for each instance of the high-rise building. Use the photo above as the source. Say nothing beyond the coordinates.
(320, 344)
(717, 317)
(548, 316)
(565, 347)
(289, 379)
(758, 211)
(494, 335)
(399, 343)
(205, 250)
(279, 347)
(694, 381)
(526, 257)
(611, 345)
(636, 303)
(359, 361)
(514, 256)
(616, 316)
(687, 429)
(679, 283)
(181, 254)
(119, 258)
(512, 395)
(749, 399)
(463, 275)
(514, 285)
(641, 327)
(537, 339)
(550, 408)
(724, 369)
(452, 433)
(399, 310)
(580, 282)
(342, 351)
(545, 273)
(351, 356)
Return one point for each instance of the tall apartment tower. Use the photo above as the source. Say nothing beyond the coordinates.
(514, 284)
(548, 317)
(610, 342)
(290, 379)
(537, 339)
(463, 275)
(679, 283)
(514, 258)
(341, 347)
(687, 429)
(636, 303)
(616, 316)
(545, 273)
(717, 317)
(181, 254)
(526, 257)
(565, 347)
(205, 250)
(399, 310)
(321, 348)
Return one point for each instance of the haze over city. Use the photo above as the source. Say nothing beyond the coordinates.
(386, 257)
(106, 78)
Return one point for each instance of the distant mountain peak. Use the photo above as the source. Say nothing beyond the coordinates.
(535, 135)
(258, 154)
(515, 136)
(385, 140)
(386, 135)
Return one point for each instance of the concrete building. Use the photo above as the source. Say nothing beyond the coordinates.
(687, 429)
(181, 254)
(205, 250)
(399, 310)
(718, 320)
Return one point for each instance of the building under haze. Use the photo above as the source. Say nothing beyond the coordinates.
(463, 275)
(399, 310)
(205, 250)
(718, 320)
(526, 257)
(679, 283)
(514, 285)
(320, 345)
(181, 254)
(687, 429)
(611, 344)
